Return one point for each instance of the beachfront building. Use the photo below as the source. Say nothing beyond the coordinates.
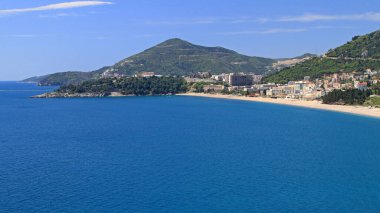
(220, 77)
(306, 89)
(237, 88)
(361, 85)
(214, 88)
(257, 79)
(313, 95)
(240, 79)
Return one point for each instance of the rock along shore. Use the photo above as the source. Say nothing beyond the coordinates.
(75, 95)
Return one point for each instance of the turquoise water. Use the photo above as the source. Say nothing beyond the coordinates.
(182, 154)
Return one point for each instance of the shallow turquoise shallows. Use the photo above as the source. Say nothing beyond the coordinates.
(182, 154)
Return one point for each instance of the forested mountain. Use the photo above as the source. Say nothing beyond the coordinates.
(172, 57)
(367, 46)
(178, 57)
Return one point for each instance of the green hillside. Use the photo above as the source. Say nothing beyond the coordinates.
(346, 58)
(316, 67)
(172, 57)
(66, 78)
(178, 57)
(367, 46)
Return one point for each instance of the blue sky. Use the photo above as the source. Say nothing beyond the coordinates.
(45, 36)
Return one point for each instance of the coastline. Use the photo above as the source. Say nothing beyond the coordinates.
(87, 95)
(356, 110)
(68, 95)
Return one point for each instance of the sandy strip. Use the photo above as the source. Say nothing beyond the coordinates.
(357, 110)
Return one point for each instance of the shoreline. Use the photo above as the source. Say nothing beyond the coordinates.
(355, 110)
(88, 95)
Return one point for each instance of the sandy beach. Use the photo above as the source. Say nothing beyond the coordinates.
(357, 110)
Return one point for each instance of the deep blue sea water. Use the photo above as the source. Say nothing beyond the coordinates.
(182, 154)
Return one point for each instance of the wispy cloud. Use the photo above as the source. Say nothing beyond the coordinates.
(309, 17)
(370, 16)
(284, 30)
(278, 30)
(321, 17)
(59, 6)
(203, 21)
(26, 35)
(323, 27)
(268, 31)
(209, 21)
(59, 15)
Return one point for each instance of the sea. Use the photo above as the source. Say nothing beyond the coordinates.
(182, 154)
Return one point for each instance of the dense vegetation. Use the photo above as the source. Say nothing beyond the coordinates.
(316, 67)
(375, 89)
(373, 101)
(367, 46)
(348, 97)
(129, 86)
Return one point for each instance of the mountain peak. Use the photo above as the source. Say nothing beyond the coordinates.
(174, 42)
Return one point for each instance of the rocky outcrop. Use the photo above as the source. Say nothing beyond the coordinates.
(71, 95)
